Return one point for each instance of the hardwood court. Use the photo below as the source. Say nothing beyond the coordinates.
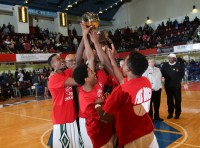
(28, 125)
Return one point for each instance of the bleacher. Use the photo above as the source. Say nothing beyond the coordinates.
(127, 39)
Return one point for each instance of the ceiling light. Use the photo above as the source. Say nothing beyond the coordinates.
(76, 2)
(110, 6)
(100, 11)
(69, 5)
(194, 10)
(148, 20)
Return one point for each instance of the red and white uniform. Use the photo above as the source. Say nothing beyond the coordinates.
(63, 103)
(99, 132)
(102, 80)
(122, 103)
(96, 129)
(63, 112)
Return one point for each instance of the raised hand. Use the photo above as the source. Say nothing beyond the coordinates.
(94, 36)
(85, 29)
(111, 52)
(100, 100)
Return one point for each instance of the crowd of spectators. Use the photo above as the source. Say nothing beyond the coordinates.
(6, 30)
(23, 83)
(192, 71)
(42, 41)
(170, 34)
(167, 34)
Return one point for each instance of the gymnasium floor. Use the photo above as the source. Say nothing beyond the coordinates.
(26, 123)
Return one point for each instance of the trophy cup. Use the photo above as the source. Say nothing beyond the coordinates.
(90, 19)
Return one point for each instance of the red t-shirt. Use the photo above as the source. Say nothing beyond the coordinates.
(63, 103)
(123, 102)
(80, 114)
(98, 131)
(112, 81)
(102, 78)
(69, 72)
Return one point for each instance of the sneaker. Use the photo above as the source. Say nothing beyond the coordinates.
(176, 117)
(158, 119)
(169, 116)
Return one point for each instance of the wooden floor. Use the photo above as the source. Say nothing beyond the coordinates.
(28, 125)
(189, 122)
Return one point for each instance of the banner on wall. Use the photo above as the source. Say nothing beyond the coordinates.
(121, 55)
(42, 13)
(144, 52)
(27, 57)
(187, 48)
(148, 51)
(7, 58)
(165, 50)
(32, 57)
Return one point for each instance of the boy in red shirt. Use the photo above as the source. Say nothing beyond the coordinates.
(85, 76)
(130, 104)
(65, 131)
(99, 132)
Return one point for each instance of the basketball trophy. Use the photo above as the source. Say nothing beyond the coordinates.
(90, 19)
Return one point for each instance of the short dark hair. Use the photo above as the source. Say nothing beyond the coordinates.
(80, 73)
(137, 63)
(50, 58)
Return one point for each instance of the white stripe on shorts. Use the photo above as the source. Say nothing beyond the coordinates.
(86, 139)
(154, 143)
(66, 135)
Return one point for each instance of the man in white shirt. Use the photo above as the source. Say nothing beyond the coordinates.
(75, 42)
(20, 76)
(155, 77)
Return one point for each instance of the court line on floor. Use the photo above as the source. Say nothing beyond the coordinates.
(42, 138)
(189, 144)
(179, 143)
(167, 131)
(27, 116)
(185, 135)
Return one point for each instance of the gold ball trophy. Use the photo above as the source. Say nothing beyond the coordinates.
(90, 19)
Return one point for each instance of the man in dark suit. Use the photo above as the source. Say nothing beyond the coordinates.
(173, 73)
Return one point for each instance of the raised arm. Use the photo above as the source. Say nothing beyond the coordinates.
(118, 74)
(79, 53)
(88, 50)
(101, 54)
(70, 82)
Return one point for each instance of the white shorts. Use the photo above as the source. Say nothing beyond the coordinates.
(86, 139)
(154, 143)
(148, 140)
(66, 136)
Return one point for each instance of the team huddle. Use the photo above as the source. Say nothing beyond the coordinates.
(95, 103)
